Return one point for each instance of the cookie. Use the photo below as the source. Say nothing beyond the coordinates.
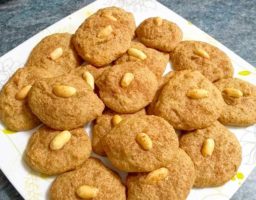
(159, 34)
(118, 15)
(65, 102)
(92, 181)
(189, 101)
(14, 111)
(153, 59)
(213, 63)
(172, 182)
(216, 154)
(53, 152)
(141, 144)
(240, 102)
(100, 40)
(54, 53)
(128, 87)
(104, 124)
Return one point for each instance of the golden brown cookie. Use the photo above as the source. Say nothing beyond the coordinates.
(216, 154)
(54, 53)
(159, 33)
(189, 101)
(141, 144)
(213, 63)
(53, 152)
(172, 182)
(101, 40)
(104, 124)
(65, 102)
(14, 111)
(92, 181)
(153, 59)
(240, 102)
(128, 87)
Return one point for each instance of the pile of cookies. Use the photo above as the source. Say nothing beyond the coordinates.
(167, 132)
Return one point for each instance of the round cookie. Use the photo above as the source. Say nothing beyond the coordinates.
(93, 175)
(65, 102)
(219, 167)
(54, 53)
(104, 124)
(42, 158)
(189, 101)
(128, 87)
(14, 111)
(159, 34)
(118, 15)
(213, 63)
(141, 144)
(175, 183)
(240, 102)
(153, 59)
(100, 40)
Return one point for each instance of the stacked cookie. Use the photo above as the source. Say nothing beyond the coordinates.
(105, 75)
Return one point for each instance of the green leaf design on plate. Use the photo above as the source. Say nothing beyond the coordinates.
(244, 73)
(240, 175)
(6, 131)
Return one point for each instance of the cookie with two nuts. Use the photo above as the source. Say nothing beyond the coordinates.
(65, 102)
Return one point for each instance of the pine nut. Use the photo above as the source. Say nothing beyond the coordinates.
(202, 53)
(116, 119)
(127, 79)
(57, 53)
(197, 93)
(60, 140)
(87, 192)
(233, 92)
(23, 93)
(157, 175)
(208, 147)
(88, 77)
(105, 32)
(137, 53)
(64, 91)
(144, 141)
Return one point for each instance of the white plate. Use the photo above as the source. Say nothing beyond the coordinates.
(35, 186)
